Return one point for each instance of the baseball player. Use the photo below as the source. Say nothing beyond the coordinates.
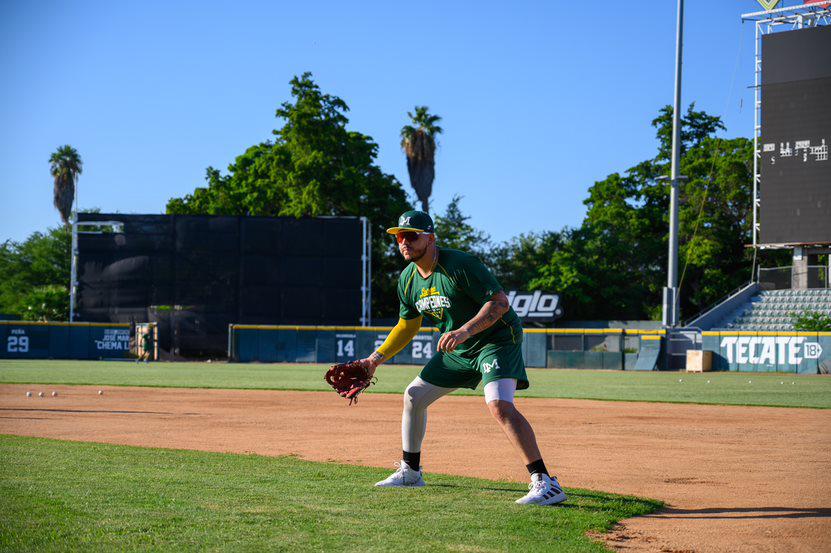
(146, 344)
(481, 341)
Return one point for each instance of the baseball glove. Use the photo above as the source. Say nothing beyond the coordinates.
(349, 379)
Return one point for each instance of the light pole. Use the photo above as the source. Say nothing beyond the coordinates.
(73, 260)
(670, 300)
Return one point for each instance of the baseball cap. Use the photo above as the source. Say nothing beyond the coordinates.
(413, 220)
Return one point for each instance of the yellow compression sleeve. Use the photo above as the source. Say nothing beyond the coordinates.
(400, 336)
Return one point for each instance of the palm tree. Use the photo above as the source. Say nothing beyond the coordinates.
(418, 141)
(66, 165)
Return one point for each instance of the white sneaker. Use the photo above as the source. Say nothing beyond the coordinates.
(404, 477)
(543, 490)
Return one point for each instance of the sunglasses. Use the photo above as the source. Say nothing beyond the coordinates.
(408, 235)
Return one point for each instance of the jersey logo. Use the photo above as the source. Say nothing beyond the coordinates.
(429, 292)
(489, 366)
(432, 302)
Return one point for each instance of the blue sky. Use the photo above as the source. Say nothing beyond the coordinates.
(539, 99)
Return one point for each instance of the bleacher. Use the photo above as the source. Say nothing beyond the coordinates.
(773, 310)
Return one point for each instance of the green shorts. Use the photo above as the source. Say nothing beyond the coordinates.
(493, 362)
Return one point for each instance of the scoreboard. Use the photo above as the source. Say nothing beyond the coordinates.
(795, 187)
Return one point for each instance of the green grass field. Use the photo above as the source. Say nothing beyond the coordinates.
(768, 389)
(65, 496)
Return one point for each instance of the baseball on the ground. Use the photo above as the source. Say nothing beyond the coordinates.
(100, 392)
(40, 394)
(28, 394)
(54, 394)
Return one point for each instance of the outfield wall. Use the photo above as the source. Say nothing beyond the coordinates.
(41, 340)
(614, 349)
(590, 348)
(790, 352)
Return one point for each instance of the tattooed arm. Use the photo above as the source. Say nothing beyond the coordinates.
(489, 314)
(485, 318)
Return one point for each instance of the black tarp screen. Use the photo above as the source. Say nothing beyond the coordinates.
(196, 274)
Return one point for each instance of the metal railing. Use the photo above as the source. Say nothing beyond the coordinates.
(686, 322)
(679, 341)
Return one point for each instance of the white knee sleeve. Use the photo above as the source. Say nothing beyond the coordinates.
(502, 389)
(417, 397)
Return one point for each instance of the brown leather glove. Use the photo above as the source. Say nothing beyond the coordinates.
(349, 379)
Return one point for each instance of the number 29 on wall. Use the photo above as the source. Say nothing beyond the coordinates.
(17, 344)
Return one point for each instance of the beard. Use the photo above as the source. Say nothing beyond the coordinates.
(415, 254)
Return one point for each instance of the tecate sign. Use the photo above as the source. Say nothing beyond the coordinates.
(536, 306)
(778, 350)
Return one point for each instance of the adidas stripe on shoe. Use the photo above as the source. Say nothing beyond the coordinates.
(404, 477)
(543, 490)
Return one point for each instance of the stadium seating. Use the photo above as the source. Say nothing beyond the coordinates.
(774, 309)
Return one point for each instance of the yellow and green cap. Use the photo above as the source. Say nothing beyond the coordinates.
(413, 220)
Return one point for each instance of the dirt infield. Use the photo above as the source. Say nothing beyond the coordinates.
(733, 478)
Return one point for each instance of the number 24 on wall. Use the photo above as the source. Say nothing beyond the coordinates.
(17, 344)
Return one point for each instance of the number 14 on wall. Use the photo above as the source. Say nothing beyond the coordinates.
(346, 348)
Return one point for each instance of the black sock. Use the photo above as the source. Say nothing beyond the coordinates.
(537, 467)
(413, 459)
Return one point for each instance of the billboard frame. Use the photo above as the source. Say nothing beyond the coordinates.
(112, 226)
(767, 22)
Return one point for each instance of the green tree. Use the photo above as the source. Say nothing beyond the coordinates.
(696, 126)
(35, 283)
(516, 262)
(65, 166)
(614, 265)
(454, 231)
(313, 166)
(811, 321)
(418, 140)
(45, 303)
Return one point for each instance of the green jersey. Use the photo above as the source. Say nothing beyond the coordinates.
(453, 294)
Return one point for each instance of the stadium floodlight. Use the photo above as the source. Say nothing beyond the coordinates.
(670, 295)
(670, 299)
(95, 227)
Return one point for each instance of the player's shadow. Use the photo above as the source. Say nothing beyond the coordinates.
(585, 494)
(743, 512)
(519, 490)
(506, 489)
